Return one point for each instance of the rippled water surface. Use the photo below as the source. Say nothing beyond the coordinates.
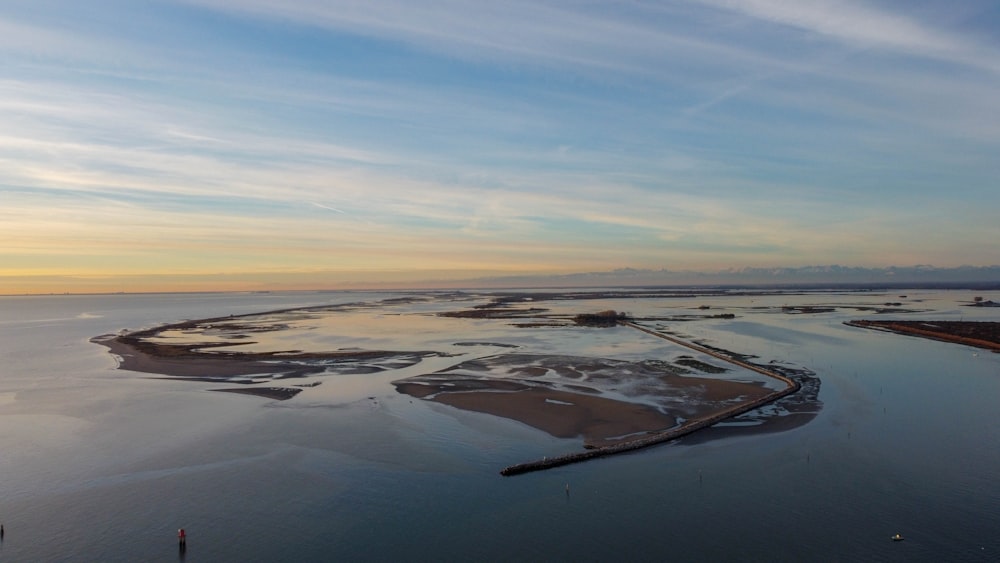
(99, 464)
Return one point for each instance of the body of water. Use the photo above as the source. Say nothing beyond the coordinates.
(98, 464)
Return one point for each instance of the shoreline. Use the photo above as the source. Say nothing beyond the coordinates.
(670, 435)
(255, 371)
(979, 334)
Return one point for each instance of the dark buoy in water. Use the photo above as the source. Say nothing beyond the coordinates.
(1, 531)
(181, 538)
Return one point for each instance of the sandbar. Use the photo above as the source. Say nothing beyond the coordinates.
(981, 334)
(146, 351)
(276, 393)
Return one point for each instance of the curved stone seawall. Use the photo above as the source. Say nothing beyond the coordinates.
(666, 435)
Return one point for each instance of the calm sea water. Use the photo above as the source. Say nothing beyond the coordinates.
(98, 464)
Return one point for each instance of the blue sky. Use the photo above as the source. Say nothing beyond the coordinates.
(217, 144)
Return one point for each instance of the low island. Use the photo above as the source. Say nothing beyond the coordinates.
(613, 404)
(980, 334)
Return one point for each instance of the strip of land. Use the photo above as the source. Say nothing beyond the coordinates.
(276, 393)
(207, 361)
(981, 334)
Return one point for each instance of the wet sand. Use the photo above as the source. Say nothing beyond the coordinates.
(199, 362)
(686, 429)
(276, 393)
(566, 415)
(604, 401)
(599, 420)
(165, 360)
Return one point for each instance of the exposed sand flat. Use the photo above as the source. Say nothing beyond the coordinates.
(659, 437)
(276, 393)
(155, 359)
(197, 360)
(565, 415)
(603, 400)
(732, 408)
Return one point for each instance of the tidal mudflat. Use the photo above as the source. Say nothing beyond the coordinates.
(557, 362)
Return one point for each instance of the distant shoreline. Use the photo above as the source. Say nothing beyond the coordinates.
(980, 334)
(578, 282)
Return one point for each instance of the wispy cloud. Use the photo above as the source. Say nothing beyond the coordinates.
(864, 26)
(305, 134)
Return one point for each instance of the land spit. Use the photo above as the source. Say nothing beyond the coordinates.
(981, 334)
(659, 437)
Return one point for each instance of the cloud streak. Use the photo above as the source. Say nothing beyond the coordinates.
(514, 136)
(866, 27)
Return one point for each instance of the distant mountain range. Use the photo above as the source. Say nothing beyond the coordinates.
(809, 276)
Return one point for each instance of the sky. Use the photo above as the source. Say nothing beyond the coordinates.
(155, 145)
